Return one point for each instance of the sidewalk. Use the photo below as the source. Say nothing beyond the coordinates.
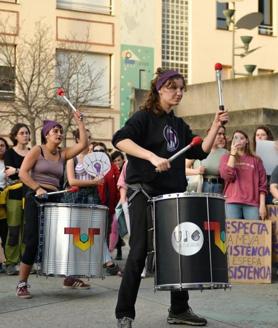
(247, 306)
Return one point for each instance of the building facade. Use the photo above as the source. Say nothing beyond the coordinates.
(87, 26)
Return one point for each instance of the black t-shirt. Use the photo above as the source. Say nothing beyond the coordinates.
(164, 135)
(12, 158)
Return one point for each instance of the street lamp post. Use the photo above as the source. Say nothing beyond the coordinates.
(249, 22)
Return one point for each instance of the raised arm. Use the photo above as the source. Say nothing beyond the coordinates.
(219, 118)
(77, 148)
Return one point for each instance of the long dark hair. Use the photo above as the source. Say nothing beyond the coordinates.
(14, 132)
(152, 102)
(5, 142)
(247, 149)
(267, 131)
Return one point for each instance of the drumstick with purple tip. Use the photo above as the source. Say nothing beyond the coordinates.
(61, 93)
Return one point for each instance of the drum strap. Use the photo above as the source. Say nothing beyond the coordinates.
(137, 187)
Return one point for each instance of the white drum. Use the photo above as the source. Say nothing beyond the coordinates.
(71, 239)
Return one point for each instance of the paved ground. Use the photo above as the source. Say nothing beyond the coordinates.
(248, 306)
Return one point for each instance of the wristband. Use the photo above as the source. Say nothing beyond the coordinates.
(233, 155)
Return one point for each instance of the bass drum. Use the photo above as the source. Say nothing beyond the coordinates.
(189, 241)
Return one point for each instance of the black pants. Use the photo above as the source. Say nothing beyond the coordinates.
(32, 225)
(3, 232)
(136, 260)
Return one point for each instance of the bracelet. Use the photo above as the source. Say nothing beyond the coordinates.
(37, 188)
(232, 155)
(16, 170)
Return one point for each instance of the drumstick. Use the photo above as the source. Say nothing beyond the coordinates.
(71, 189)
(61, 93)
(218, 69)
(195, 142)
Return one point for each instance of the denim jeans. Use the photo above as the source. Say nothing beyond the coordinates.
(212, 187)
(241, 211)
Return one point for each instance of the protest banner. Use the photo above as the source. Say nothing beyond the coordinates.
(249, 250)
(272, 211)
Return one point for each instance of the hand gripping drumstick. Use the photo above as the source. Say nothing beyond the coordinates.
(218, 69)
(71, 189)
(61, 93)
(195, 142)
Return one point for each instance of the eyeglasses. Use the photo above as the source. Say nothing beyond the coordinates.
(22, 133)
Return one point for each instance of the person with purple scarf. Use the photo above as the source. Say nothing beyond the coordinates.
(41, 171)
(151, 136)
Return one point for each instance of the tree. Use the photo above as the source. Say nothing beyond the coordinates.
(81, 80)
(35, 73)
(33, 69)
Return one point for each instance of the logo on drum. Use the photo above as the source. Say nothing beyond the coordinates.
(219, 236)
(187, 238)
(82, 241)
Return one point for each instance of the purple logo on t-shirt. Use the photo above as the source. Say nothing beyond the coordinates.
(171, 138)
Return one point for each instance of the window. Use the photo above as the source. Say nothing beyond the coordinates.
(174, 52)
(87, 75)
(95, 6)
(7, 73)
(220, 18)
(265, 7)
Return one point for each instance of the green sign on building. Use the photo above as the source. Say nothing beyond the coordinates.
(136, 72)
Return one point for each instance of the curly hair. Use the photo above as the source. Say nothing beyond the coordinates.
(152, 102)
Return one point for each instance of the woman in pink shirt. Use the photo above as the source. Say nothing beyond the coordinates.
(245, 180)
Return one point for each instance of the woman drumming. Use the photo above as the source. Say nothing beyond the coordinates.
(41, 171)
(149, 138)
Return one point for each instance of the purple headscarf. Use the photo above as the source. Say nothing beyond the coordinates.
(165, 77)
(48, 125)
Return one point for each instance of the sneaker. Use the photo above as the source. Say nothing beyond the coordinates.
(22, 290)
(124, 322)
(11, 270)
(187, 318)
(2, 268)
(75, 283)
(113, 269)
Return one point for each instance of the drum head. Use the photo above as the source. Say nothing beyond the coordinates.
(97, 164)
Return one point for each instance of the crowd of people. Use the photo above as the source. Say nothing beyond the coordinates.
(139, 170)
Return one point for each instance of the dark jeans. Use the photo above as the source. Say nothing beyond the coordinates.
(136, 261)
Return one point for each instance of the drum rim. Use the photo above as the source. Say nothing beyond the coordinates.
(187, 195)
(194, 286)
(101, 207)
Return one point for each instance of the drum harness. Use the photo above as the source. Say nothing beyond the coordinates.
(144, 189)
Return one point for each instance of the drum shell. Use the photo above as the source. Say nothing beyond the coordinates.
(59, 248)
(208, 267)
